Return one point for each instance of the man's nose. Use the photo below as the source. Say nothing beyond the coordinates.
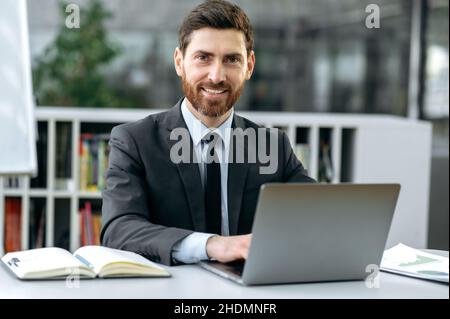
(217, 73)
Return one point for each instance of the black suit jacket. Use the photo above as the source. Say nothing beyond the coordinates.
(150, 203)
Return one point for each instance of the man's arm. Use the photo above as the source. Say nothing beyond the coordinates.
(125, 211)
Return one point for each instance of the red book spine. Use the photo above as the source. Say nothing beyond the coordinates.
(8, 225)
(17, 224)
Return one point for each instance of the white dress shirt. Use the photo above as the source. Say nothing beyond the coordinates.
(193, 248)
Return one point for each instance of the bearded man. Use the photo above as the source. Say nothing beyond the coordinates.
(172, 211)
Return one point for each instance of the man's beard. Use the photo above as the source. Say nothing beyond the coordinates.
(211, 108)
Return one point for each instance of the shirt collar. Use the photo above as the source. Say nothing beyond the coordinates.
(198, 130)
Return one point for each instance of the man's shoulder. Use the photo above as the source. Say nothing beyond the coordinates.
(146, 124)
(245, 123)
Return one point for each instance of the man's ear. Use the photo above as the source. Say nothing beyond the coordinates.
(178, 61)
(250, 65)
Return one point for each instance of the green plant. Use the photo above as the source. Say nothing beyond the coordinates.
(70, 72)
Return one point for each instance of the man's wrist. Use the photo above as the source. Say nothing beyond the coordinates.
(209, 247)
(191, 249)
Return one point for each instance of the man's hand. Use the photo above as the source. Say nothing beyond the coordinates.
(226, 249)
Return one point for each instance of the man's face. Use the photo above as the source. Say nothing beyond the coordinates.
(214, 69)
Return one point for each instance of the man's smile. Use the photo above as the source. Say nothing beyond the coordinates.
(211, 93)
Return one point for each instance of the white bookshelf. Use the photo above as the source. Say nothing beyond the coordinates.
(364, 148)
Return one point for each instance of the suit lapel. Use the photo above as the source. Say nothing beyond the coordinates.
(237, 175)
(190, 175)
(189, 172)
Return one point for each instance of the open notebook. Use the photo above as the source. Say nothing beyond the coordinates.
(87, 262)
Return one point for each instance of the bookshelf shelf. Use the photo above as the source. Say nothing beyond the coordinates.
(94, 195)
(13, 193)
(333, 147)
(62, 194)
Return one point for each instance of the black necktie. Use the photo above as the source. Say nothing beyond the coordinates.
(213, 202)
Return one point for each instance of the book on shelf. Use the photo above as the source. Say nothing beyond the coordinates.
(90, 225)
(12, 224)
(94, 155)
(407, 261)
(86, 262)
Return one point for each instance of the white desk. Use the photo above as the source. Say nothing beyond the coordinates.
(192, 282)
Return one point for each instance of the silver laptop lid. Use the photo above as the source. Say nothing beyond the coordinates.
(319, 232)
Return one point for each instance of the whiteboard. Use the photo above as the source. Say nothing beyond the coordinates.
(17, 124)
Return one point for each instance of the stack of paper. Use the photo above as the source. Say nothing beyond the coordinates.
(408, 261)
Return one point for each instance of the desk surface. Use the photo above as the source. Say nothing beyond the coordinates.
(192, 282)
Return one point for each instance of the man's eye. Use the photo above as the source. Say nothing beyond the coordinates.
(202, 57)
(233, 60)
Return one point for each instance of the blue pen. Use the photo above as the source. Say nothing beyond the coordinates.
(84, 261)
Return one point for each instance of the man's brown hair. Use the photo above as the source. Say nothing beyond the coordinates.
(216, 14)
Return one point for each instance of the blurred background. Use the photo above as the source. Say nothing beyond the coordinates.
(319, 50)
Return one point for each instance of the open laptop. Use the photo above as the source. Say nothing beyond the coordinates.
(314, 232)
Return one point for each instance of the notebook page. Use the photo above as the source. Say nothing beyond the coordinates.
(39, 260)
(99, 256)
